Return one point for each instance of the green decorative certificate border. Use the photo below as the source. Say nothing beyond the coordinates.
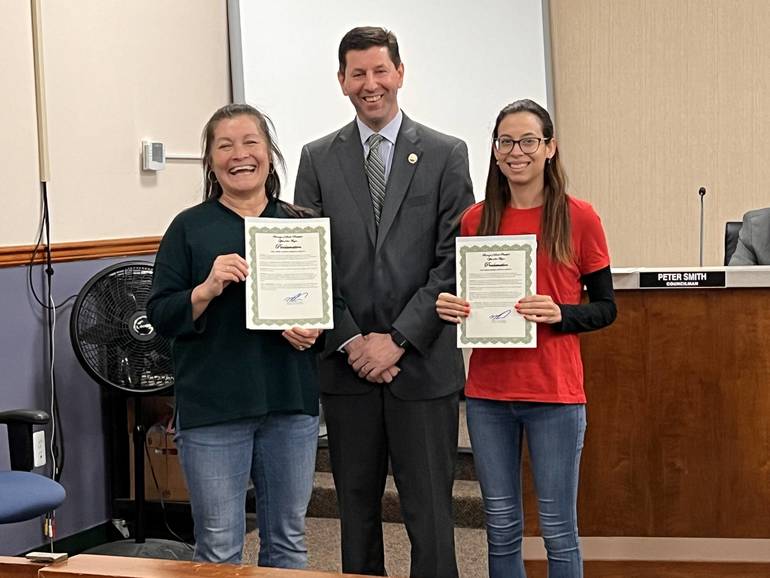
(529, 275)
(326, 316)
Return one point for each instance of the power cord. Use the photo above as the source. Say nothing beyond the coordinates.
(56, 448)
(44, 226)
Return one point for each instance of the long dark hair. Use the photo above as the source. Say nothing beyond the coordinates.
(555, 221)
(212, 188)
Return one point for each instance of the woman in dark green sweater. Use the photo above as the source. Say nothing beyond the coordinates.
(247, 401)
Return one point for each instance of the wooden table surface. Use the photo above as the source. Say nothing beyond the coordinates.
(90, 566)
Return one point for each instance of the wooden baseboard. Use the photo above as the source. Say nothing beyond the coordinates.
(660, 549)
(79, 251)
(649, 569)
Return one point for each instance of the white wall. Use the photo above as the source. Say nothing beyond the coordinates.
(463, 62)
(18, 137)
(116, 72)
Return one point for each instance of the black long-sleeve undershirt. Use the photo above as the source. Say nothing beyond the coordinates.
(600, 310)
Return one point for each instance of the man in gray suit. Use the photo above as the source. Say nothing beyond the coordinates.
(391, 373)
(754, 239)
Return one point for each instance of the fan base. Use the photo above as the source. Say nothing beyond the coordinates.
(150, 548)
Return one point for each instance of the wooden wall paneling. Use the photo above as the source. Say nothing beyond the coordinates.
(682, 380)
(655, 99)
(742, 365)
(677, 442)
(616, 495)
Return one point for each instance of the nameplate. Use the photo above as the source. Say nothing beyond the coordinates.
(681, 279)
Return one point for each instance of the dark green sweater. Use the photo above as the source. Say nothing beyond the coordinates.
(222, 370)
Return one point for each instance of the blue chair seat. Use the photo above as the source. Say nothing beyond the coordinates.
(25, 495)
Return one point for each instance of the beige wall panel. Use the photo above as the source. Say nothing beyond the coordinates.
(653, 100)
(18, 138)
(118, 72)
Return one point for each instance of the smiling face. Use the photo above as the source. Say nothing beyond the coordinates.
(240, 156)
(523, 170)
(371, 81)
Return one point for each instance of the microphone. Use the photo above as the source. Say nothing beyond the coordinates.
(702, 193)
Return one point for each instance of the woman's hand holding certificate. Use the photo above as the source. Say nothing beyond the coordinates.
(539, 308)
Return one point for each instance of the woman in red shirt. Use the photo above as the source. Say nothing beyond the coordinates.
(537, 392)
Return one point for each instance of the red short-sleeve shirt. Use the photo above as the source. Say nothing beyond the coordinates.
(552, 372)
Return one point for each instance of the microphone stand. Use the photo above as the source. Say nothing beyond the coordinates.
(702, 193)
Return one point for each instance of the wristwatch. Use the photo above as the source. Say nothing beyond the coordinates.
(399, 339)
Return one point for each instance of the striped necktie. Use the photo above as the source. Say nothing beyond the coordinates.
(375, 173)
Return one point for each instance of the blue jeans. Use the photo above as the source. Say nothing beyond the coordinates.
(277, 452)
(554, 434)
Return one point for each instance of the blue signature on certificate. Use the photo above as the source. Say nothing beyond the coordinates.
(297, 298)
(500, 316)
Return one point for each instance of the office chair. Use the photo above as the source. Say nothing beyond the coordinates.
(24, 494)
(732, 228)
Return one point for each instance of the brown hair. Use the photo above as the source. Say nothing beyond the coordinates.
(365, 37)
(555, 221)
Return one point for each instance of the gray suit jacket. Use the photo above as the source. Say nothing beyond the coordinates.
(754, 239)
(390, 276)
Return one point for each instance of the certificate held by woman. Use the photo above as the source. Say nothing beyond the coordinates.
(290, 276)
(493, 273)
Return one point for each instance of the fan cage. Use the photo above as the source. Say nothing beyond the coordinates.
(112, 336)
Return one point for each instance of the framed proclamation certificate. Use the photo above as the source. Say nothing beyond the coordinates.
(290, 274)
(493, 273)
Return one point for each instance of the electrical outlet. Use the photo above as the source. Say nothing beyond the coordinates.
(38, 448)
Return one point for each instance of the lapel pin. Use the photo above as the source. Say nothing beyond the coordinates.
(412, 158)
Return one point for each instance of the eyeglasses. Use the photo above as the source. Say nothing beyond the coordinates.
(528, 145)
